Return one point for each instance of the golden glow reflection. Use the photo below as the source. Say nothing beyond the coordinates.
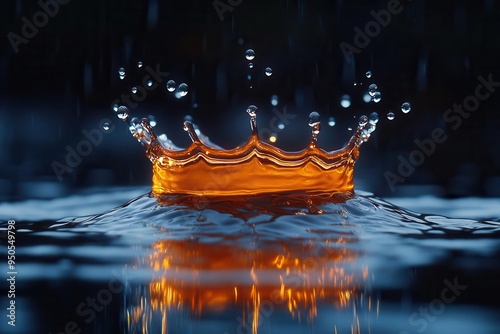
(200, 277)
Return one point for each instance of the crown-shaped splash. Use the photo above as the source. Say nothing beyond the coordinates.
(253, 168)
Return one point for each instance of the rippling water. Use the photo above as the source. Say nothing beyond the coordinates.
(295, 264)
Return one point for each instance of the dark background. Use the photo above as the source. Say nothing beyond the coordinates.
(64, 79)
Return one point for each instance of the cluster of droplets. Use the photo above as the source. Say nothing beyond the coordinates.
(180, 91)
(250, 56)
(375, 96)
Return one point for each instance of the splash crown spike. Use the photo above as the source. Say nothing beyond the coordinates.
(253, 168)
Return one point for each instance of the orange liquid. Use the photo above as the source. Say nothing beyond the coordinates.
(255, 168)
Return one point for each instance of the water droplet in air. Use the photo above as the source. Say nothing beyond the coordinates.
(121, 71)
(105, 126)
(345, 101)
(368, 74)
(314, 123)
(314, 119)
(355, 84)
(405, 107)
(250, 54)
(390, 116)
(367, 98)
(274, 100)
(122, 113)
(269, 71)
(115, 107)
(377, 97)
(252, 110)
(183, 89)
(331, 121)
(250, 65)
(139, 64)
(134, 90)
(171, 85)
(372, 89)
(273, 138)
(152, 121)
(363, 120)
(281, 125)
(373, 118)
(150, 83)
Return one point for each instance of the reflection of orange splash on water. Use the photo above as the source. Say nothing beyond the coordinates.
(288, 276)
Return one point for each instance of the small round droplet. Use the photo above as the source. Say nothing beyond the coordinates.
(367, 98)
(355, 84)
(134, 90)
(405, 107)
(273, 138)
(373, 118)
(269, 71)
(183, 89)
(150, 83)
(345, 101)
(122, 113)
(250, 54)
(135, 121)
(139, 64)
(115, 107)
(121, 71)
(368, 74)
(250, 65)
(152, 121)
(390, 116)
(274, 100)
(377, 97)
(171, 85)
(281, 125)
(106, 126)
(331, 121)
(314, 119)
(252, 110)
(372, 89)
(363, 120)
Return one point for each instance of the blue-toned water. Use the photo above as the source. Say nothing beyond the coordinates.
(296, 264)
